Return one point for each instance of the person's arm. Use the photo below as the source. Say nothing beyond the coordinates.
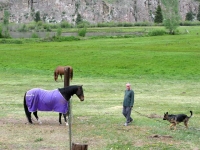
(132, 99)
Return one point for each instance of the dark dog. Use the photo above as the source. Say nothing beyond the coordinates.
(176, 119)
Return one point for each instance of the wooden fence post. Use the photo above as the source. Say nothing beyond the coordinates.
(73, 146)
(66, 83)
(66, 76)
(77, 146)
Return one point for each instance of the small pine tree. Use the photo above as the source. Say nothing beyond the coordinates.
(37, 16)
(189, 16)
(198, 15)
(158, 16)
(78, 19)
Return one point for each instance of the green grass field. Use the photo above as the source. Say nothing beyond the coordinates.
(163, 70)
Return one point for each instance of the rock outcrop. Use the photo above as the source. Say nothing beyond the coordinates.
(93, 11)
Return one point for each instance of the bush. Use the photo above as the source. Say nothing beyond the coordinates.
(190, 23)
(47, 27)
(82, 32)
(65, 24)
(107, 24)
(39, 23)
(143, 24)
(34, 35)
(157, 32)
(83, 24)
(59, 32)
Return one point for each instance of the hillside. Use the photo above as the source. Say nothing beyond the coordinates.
(93, 11)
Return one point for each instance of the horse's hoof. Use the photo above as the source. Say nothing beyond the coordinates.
(66, 123)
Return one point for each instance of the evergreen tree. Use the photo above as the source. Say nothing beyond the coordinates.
(189, 16)
(158, 16)
(78, 19)
(198, 15)
(37, 16)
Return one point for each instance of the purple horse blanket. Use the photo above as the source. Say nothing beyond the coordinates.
(44, 100)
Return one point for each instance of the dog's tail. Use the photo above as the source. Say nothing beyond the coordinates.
(191, 114)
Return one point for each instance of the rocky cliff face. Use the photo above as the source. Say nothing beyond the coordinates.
(93, 11)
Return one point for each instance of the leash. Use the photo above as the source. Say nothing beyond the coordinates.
(148, 116)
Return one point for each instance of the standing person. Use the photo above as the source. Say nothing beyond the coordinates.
(128, 104)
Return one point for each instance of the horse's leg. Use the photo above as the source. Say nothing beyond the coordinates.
(61, 76)
(29, 117)
(65, 117)
(28, 114)
(60, 114)
(36, 116)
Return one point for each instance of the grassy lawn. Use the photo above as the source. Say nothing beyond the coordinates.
(163, 70)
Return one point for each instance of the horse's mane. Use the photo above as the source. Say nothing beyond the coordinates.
(68, 88)
(68, 91)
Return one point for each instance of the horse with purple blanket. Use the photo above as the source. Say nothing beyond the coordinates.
(50, 100)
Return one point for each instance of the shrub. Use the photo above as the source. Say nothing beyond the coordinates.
(82, 32)
(83, 24)
(39, 23)
(142, 24)
(34, 35)
(47, 27)
(59, 32)
(65, 24)
(128, 24)
(156, 32)
(190, 23)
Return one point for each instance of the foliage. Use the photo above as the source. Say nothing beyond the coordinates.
(198, 14)
(158, 16)
(6, 18)
(34, 35)
(65, 24)
(189, 16)
(78, 19)
(171, 15)
(190, 23)
(47, 27)
(1, 31)
(82, 32)
(59, 32)
(143, 24)
(23, 28)
(83, 24)
(37, 16)
(157, 32)
(5, 28)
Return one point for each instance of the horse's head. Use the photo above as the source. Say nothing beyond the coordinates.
(80, 93)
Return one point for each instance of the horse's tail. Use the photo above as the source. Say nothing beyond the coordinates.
(71, 70)
(25, 107)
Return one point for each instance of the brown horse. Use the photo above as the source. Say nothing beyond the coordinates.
(60, 71)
